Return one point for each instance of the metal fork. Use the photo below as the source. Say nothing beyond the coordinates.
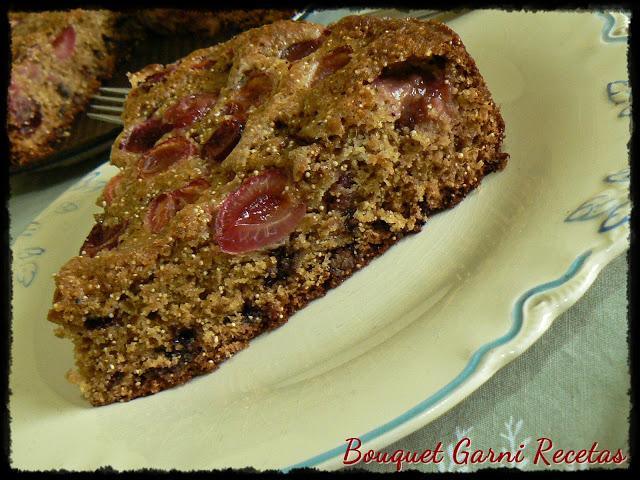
(114, 99)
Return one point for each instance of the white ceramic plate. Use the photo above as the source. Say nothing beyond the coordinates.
(405, 339)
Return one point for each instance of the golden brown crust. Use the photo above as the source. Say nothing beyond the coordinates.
(155, 308)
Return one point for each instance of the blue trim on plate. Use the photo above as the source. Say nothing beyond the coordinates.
(619, 93)
(606, 205)
(476, 358)
(614, 219)
(26, 273)
(607, 29)
(623, 176)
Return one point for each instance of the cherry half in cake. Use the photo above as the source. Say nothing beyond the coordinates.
(256, 175)
(258, 214)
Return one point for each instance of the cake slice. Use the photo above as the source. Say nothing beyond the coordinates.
(58, 62)
(257, 174)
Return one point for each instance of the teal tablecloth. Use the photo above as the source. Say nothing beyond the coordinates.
(571, 386)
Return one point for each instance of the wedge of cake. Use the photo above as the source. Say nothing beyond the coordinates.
(256, 175)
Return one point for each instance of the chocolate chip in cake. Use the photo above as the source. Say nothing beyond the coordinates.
(185, 346)
(381, 225)
(94, 323)
(251, 313)
(185, 337)
(116, 377)
(63, 90)
(341, 195)
(284, 266)
(345, 181)
(350, 223)
(343, 262)
(424, 207)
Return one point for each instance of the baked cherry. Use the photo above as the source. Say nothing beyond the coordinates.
(255, 90)
(251, 94)
(412, 95)
(400, 86)
(300, 50)
(223, 140)
(189, 110)
(414, 112)
(155, 77)
(192, 190)
(28, 69)
(332, 62)
(434, 95)
(164, 155)
(102, 238)
(145, 135)
(165, 206)
(110, 190)
(204, 64)
(259, 213)
(161, 210)
(64, 45)
(158, 76)
(27, 112)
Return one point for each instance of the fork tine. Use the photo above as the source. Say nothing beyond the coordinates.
(123, 91)
(106, 108)
(105, 118)
(117, 96)
(109, 99)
